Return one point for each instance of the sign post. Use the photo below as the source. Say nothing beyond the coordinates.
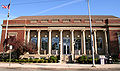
(10, 55)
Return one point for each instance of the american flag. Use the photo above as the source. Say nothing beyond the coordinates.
(7, 6)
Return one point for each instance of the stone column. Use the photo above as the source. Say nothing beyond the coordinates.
(50, 31)
(24, 35)
(73, 54)
(82, 43)
(28, 36)
(106, 42)
(61, 45)
(39, 41)
(84, 47)
(95, 41)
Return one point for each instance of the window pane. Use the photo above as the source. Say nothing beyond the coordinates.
(77, 44)
(119, 39)
(55, 43)
(44, 43)
(119, 42)
(34, 40)
(99, 45)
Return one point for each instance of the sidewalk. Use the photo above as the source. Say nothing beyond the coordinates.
(59, 66)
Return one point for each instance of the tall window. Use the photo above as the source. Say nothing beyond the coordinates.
(88, 45)
(44, 43)
(55, 43)
(34, 40)
(66, 45)
(77, 46)
(119, 42)
(99, 44)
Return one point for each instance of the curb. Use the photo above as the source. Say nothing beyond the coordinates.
(59, 66)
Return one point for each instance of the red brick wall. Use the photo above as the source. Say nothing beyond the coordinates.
(20, 36)
(114, 46)
(49, 21)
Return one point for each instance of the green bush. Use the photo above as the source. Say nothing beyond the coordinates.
(7, 60)
(82, 59)
(35, 60)
(16, 60)
(115, 58)
(30, 60)
(53, 59)
(46, 61)
(86, 60)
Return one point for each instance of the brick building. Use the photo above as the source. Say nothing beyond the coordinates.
(66, 35)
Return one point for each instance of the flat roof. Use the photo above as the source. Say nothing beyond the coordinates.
(64, 17)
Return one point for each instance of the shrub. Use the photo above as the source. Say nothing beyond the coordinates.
(115, 58)
(53, 59)
(16, 60)
(35, 60)
(46, 61)
(88, 60)
(82, 59)
(42, 60)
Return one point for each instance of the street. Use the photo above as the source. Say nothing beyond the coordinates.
(37, 69)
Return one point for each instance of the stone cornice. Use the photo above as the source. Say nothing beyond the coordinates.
(14, 25)
(49, 25)
(114, 24)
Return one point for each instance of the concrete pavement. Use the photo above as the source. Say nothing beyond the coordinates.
(59, 66)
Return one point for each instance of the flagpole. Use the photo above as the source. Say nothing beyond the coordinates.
(6, 28)
(91, 35)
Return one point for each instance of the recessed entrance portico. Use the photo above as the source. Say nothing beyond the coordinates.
(67, 42)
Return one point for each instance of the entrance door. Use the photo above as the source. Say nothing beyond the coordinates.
(66, 46)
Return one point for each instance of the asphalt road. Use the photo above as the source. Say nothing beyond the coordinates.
(29, 69)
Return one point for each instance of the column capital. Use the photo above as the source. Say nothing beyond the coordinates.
(94, 30)
(38, 30)
(72, 30)
(83, 30)
(28, 30)
(49, 30)
(61, 30)
(104, 30)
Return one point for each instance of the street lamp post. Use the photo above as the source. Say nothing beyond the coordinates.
(91, 34)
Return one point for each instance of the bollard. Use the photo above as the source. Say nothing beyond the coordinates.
(102, 59)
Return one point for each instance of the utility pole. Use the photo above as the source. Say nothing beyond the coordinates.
(91, 33)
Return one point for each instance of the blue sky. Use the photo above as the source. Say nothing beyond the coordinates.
(58, 7)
